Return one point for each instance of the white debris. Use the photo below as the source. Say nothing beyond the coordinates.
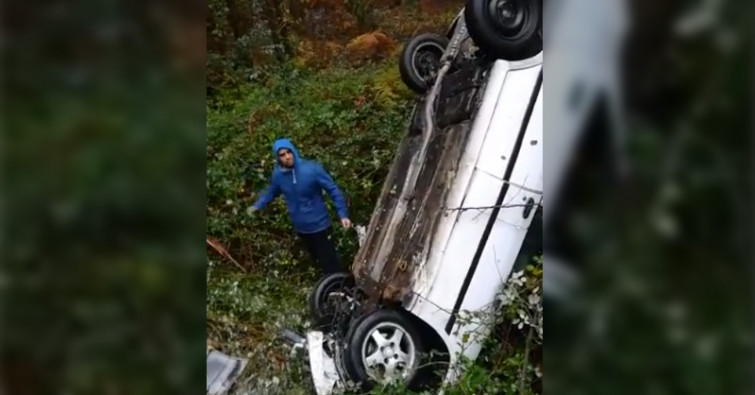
(361, 233)
(324, 373)
(222, 372)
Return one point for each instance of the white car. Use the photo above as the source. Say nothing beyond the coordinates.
(455, 210)
(462, 204)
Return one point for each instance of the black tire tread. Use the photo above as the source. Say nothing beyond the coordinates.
(483, 33)
(315, 297)
(412, 80)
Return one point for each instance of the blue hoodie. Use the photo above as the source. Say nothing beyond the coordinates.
(302, 188)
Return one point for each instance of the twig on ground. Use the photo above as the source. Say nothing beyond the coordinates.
(223, 252)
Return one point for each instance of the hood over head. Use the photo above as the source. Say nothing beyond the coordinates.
(284, 143)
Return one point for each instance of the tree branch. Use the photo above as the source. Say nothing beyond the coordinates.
(492, 207)
(523, 369)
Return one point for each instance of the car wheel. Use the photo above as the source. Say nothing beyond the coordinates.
(419, 62)
(383, 347)
(323, 301)
(506, 29)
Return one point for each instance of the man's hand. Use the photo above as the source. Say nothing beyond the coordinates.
(250, 211)
(346, 223)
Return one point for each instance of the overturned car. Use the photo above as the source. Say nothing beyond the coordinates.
(457, 212)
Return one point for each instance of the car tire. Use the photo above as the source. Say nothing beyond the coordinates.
(321, 312)
(364, 355)
(506, 29)
(420, 58)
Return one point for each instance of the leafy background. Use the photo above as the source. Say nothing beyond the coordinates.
(325, 74)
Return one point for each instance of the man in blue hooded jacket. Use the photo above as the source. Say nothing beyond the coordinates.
(301, 182)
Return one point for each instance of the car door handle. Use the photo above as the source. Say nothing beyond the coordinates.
(528, 208)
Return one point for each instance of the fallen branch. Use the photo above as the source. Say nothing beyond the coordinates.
(223, 252)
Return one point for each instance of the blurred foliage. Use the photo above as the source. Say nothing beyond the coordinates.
(103, 257)
(667, 304)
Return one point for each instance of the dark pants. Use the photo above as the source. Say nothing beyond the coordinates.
(322, 249)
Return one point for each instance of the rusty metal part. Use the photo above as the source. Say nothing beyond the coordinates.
(410, 206)
(390, 279)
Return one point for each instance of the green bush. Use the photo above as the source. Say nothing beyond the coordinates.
(351, 121)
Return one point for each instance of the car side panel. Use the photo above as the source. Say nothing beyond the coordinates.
(509, 230)
(500, 139)
(462, 179)
(438, 287)
(459, 251)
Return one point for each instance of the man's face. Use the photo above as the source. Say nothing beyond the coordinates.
(285, 157)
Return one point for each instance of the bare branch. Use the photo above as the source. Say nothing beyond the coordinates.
(492, 207)
(522, 187)
(217, 246)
